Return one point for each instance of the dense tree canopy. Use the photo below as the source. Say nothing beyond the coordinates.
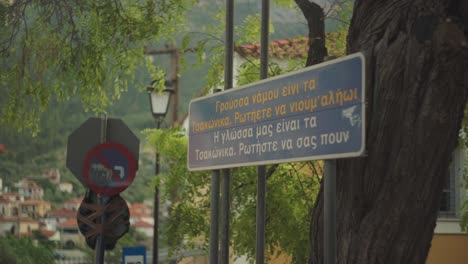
(54, 50)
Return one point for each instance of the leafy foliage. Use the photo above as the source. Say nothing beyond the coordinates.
(12, 250)
(184, 190)
(291, 192)
(464, 144)
(336, 41)
(56, 49)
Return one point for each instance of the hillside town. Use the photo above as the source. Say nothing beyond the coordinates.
(25, 213)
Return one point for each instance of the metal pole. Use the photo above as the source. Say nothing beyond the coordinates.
(330, 212)
(156, 205)
(330, 206)
(260, 227)
(214, 217)
(226, 193)
(101, 200)
(228, 83)
(261, 170)
(229, 45)
(100, 242)
(264, 39)
(214, 225)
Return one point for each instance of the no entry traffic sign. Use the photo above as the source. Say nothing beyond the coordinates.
(89, 135)
(109, 168)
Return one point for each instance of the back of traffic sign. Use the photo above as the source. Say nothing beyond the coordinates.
(114, 226)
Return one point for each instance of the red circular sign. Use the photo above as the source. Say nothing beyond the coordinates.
(109, 168)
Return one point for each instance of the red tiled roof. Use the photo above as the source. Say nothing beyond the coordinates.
(139, 209)
(34, 202)
(142, 224)
(46, 233)
(139, 215)
(292, 47)
(68, 223)
(63, 213)
(139, 205)
(5, 201)
(16, 219)
(3, 148)
(283, 48)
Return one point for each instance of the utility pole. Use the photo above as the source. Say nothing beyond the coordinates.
(174, 54)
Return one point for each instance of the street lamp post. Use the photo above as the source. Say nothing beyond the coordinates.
(159, 103)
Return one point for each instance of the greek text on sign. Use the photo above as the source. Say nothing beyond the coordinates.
(315, 113)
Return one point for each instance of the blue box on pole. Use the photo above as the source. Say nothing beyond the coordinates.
(134, 255)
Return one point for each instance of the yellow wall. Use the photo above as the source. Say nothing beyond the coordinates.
(28, 226)
(195, 260)
(448, 249)
(36, 209)
(281, 259)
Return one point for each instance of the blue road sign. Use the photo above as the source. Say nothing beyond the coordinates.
(315, 113)
(134, 255)
(109, 168)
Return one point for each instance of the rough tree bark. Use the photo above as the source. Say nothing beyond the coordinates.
(417, 77)
(316, 24)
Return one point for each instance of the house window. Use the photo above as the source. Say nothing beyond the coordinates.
(452, 192)
(70, 231)
(448, 203)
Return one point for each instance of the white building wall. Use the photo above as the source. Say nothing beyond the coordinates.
(5, 227)
(451, 225)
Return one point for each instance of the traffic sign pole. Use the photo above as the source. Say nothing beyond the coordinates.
(100, 241)
(330, 212)
(228, 83)
(102, 201)
(214, 216)
(330, 207)
(261, 170)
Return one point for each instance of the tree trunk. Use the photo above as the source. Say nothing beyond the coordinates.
(315, 21)
(416, 89)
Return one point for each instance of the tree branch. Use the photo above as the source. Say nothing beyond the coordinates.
(315, 20)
